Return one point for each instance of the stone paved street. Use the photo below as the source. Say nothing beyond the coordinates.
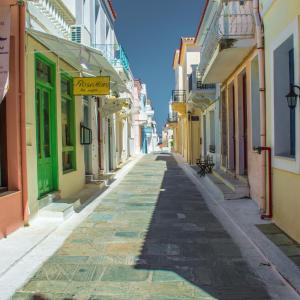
(152, 238)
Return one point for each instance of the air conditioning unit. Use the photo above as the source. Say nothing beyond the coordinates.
(80, 35)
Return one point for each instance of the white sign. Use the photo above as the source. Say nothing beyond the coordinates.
(4, 50)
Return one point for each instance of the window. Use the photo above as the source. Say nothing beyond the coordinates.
(43, 72)
(3, 151)
(255, 103)
(284, 118)
(68, 124)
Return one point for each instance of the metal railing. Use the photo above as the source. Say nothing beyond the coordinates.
(115, 54)
(196, 84)
(178, 96)
(172, 118)
(232, 20)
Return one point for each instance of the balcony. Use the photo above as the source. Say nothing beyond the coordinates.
(179, 101)
(200, 95)
(228, 40)
(115, 54)
(173, 118)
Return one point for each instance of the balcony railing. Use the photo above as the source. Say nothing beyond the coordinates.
(172, 118)
(196, 84)
(232, 21)
(179, 96)
(115, 54)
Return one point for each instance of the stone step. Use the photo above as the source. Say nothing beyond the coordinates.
(57, 210)
(237, 185)
(230, 188)
(48, 199)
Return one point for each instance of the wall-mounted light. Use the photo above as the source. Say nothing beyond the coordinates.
(292, 97)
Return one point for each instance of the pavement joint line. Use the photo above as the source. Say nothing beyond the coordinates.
(72, 222)
(191, 173)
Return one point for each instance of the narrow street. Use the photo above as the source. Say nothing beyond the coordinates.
(153, 237)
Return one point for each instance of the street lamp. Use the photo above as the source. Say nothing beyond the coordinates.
(292, 97)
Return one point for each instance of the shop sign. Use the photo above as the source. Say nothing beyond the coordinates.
(4, 50)
(91, 86)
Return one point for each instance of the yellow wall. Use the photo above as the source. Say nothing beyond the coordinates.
(69, 183)
(286, 187)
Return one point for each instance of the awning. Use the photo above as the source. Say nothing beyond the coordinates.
(85, 59)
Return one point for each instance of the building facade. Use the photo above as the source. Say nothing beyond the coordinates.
(282, 122)
(13, 177)
(63, 140)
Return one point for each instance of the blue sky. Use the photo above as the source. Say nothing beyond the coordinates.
(150, 31)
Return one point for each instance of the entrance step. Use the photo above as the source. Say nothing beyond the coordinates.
(57, 210)
(231, 188)
(48, 199)
(107, 178)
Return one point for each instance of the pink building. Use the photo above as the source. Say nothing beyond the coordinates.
(13, 179)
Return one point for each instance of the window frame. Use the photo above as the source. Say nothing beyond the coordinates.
(280, 162)
(69, 148)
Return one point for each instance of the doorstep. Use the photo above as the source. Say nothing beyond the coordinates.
(230, 187)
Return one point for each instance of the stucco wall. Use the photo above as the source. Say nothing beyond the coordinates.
(254, 159)
(69, 183)
(286, 177)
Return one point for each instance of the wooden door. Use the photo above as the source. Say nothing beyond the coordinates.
(45, 141)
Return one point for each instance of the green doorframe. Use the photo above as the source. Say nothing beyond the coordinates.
(53, 119)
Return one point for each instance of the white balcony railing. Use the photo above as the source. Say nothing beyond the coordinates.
(232, 21)
(49, 10)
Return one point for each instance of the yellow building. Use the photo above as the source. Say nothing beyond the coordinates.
(282, 69)
(53, 115)
(187, 131)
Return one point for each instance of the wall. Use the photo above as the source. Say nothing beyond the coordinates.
(11, 203)
(254, 160)
(69, 183)
(286, 172)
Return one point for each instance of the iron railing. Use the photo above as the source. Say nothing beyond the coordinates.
(115, 54)
(179, 96)
(232, 21)
(172, 118)
(196, 84)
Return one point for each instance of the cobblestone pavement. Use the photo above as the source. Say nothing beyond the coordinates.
(152, 238)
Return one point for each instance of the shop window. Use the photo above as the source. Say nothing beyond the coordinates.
(3, 145)
(284, 118)
(255, 103)
(68, 124)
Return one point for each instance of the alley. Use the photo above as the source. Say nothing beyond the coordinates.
(152, 237)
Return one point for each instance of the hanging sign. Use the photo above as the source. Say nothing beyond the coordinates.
(4, 49)
(91, 86)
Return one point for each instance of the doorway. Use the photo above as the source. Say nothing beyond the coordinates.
(245, 126)
(232, 128)
(109, 132)
(224, 147)
(204, 136)
(46, 139)
(86, 123)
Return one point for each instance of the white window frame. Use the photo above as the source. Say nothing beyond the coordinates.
(285, 163)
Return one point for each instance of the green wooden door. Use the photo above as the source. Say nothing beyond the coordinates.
(45, 151)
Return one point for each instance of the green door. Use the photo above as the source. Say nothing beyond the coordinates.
(45, 150)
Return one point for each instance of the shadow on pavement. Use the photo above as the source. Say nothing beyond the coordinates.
(185, 242)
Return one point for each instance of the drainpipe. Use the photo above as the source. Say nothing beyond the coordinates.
(261, 63)
(22, 18)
